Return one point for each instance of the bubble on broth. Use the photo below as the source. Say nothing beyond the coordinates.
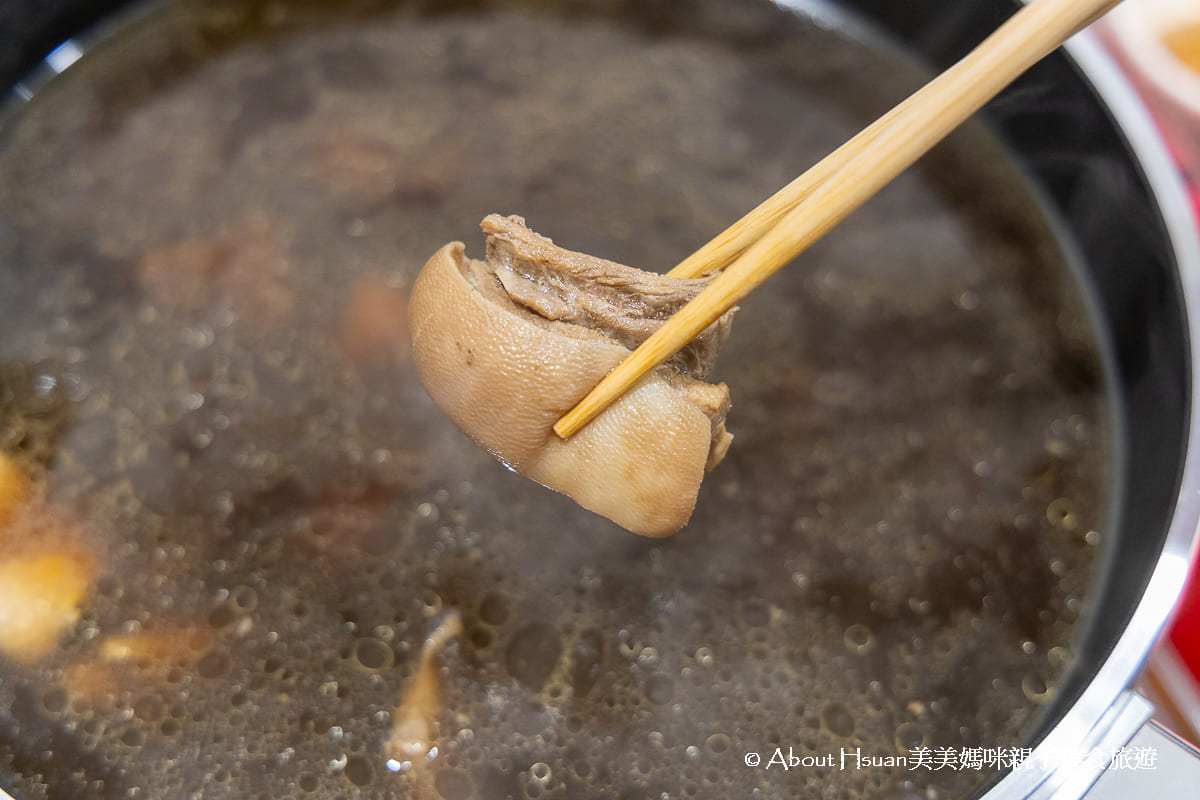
(837, 719)
(373, 655)
(359, 771)
(660, 689)
(718, 743)
(533, 653)
(909, 737)
(494, 609)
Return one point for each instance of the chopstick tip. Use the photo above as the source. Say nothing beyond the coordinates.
(569, 424)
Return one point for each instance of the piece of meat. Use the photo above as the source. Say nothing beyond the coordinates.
(40, 597)
(246, 266)
(623, 303)
(507, 346)
(415, 719)
(129, 662)
(375, 322)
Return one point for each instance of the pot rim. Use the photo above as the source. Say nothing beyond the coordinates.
(1096, 716)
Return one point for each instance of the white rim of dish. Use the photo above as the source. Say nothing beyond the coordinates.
(1138, 28)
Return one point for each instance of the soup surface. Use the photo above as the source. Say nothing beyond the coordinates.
(207, 230)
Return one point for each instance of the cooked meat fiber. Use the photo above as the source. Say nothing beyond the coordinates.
(508, 345)
(623, 303)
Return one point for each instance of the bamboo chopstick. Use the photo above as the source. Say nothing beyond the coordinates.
(808, 207)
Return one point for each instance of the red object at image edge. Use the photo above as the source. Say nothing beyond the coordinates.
(1185, 632)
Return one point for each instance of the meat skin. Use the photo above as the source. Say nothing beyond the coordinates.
(504, 373)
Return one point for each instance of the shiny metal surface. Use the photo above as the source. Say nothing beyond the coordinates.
(1176, 771)
(1088, 722)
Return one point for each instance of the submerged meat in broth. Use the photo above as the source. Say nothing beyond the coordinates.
(507, 345)
(211, 232)
(46, 569)
(41, 592)
(413, 727)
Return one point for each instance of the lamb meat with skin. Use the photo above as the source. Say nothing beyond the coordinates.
(508, 345)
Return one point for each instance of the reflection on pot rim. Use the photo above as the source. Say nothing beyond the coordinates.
(1108, 712)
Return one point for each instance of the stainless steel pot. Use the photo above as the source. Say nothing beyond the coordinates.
(1091, 144)
(1106, 712)
(1081, 131)
(1107, 183)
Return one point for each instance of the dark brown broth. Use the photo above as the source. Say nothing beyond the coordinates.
(896, 549)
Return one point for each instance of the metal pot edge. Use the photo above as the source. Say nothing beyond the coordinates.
(1100, 716)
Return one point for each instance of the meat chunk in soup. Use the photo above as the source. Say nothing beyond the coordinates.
(415, 718)
(41, 592)
(507, 345)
